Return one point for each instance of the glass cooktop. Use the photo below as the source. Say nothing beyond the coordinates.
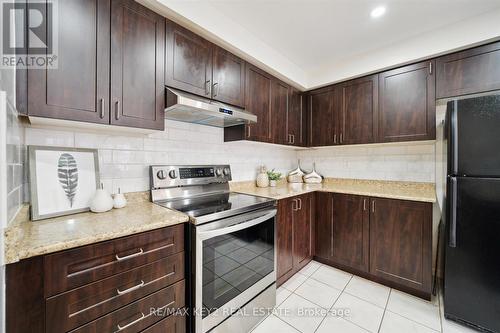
(210, 207)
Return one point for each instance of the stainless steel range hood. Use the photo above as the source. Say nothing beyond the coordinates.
(190, 108)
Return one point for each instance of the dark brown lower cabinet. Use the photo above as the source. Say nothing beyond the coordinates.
(295, 236)
(385, 240)
(401, 242)
(138, 281)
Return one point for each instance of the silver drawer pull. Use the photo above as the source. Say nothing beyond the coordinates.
(119, 292)
(129, 256)
(120, 328)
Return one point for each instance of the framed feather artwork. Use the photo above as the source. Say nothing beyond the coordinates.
(62, 180)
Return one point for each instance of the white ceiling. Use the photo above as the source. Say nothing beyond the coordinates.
(315, 42)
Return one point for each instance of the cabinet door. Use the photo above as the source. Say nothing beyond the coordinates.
(400, 242)
(468, 72)
(279, 112)
(351, 230)
(302, 231)
(407, 103)
(189, 61)
(324, 225)
(228, 78)
(284, 243)
(137, 66)
(323, 117)
(359, 110)
(79, 88)
(258, 101)
(295, 134)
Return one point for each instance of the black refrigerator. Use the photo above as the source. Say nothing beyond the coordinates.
(472, 214)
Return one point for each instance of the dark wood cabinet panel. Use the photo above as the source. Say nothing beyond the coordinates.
(323, 113)
(188, 61)
(351, 231)
(284, 243)
(258, 101)
(76, 267)
(279, 111)
(303, 231)
(295, 118)
(171, 324)
(407, 103)
(137, 66)
(71, 309)
(79, 88)
(400, 242)
(471, 71)
(324, 225)
(228, 78)
(359, 100)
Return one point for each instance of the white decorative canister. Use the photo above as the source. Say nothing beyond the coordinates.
(119, 200)
(262, 178)
(102, 201)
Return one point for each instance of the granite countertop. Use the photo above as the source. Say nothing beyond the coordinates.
(424, 192)
(25, 238)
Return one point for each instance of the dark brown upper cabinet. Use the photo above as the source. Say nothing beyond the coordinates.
(189, 61)
(468, 72)
(258, 101)
(359, 106)
(295, 119)
(407, 103)
(400, 242)
(323, 113)
(280, 93)
(118, 78)
(137, 66)
(228, 78)
(79, 88)
(350, 237)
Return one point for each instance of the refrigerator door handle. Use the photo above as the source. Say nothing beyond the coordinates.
(454, 134)
(452, 242)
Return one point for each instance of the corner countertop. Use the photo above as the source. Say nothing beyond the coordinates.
(25, 238)
(414, 191)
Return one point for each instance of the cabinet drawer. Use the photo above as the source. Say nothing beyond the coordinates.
(171, 324)
(141, 314)
(73, 268)
(79, 306)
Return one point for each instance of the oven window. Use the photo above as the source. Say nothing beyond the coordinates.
(234, 262)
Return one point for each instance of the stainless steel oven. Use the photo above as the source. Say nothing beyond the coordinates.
(233, 254)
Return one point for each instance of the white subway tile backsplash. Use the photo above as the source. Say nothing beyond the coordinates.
(49, 137)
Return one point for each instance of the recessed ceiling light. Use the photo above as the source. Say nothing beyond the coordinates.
(378, 11)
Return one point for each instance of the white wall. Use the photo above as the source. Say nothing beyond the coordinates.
(124, 160)
(395, 161)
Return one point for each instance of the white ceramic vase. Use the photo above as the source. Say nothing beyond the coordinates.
(119, 200)
(102, 201)
(272, 183)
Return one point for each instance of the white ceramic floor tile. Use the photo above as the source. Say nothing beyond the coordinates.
(331, 276)
(369, 291)
(414, 308)
(334, 324)
(294, 282)
(362, 313)
(275, 325)
(310, 268)
(318, 292)
(394, 323)
(281, 295)
(292, 311)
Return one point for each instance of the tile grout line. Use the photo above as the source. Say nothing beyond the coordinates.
(385, 310)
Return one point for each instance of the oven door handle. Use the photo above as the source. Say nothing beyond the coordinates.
(236, 227)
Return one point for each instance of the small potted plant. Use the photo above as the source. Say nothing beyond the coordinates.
(273, 177)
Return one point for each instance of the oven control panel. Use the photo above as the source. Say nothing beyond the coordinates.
(162, 176)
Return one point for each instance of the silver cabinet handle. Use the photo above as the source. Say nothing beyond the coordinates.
(430, 67)
(364, 204)
(293, 138)
(129, 256)
(216, 88)
(294, 207)
(300, 204)
(117, 110)
(373, 206)
(207, 87)
(335, 138)
(341, 137)
(120, 292)
(289, 138)
(120, 328)
(249, 128)
(102, 108)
